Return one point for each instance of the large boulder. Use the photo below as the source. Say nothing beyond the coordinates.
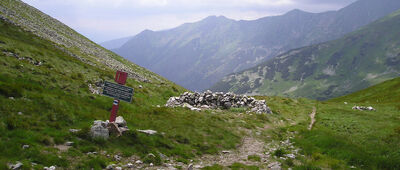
(99, 129)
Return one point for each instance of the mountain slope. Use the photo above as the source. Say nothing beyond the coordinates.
(44, 93)
(385, 92)
(66, 39)
(356, 61)
(217, 46)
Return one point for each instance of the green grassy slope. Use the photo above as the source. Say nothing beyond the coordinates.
(386, 92)
(356, 61)
(363, 139)
(342, 136)
(66, 39)
(52, 98)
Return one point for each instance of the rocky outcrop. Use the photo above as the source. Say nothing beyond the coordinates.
(197, 101)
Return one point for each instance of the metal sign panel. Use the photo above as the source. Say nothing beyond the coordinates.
(118, 91)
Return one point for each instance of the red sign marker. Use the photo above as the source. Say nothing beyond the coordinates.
(120, 78)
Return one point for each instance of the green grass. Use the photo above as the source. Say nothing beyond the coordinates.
(386, 92)
(54, 98)
(254, 158)
(359, 138)
(343, 137)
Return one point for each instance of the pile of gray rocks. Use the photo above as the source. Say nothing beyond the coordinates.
(209, 100)
(103, 129)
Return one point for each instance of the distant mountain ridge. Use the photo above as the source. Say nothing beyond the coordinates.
(358, 60)
(197, 55)
(117, 43)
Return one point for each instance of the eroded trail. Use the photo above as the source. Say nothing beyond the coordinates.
(312, 116)
(250, 146)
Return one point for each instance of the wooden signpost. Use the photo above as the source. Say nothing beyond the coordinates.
(118, 92)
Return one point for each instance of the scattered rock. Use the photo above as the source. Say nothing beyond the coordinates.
(20, 113)
(208, 99)
(140, 86)
(149, 131)
(369, 108)
(275, 166)
(345, 102)
(292, 156)
(11, 98)
(110, 167)
(163, 157)
(74, 130)
(25, 146)
(50, 168)
(117, 158)
(226, 152)
(91, 153)
(151, 154)
(151, 164)
(118, 168)
(138, 162)
(94, 89)
(69, 143)
(17, 165)
(190, 167)
(129, 165)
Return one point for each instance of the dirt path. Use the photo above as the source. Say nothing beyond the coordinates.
(250, 146)
(312, 116)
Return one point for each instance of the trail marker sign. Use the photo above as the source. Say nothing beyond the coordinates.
(117, 91)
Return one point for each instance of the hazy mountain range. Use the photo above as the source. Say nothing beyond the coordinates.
(356, 61)
(197, 55)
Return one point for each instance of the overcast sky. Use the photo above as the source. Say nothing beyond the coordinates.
(102, 20)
